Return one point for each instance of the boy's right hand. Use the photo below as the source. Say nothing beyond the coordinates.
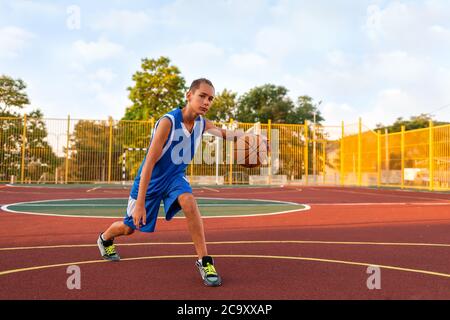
(138, 215)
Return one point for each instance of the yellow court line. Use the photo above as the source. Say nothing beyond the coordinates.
(364, 264)
(240, 242)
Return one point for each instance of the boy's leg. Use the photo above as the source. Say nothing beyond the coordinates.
(105, 240)
(117, 229)
(195, 224)
(205, 264)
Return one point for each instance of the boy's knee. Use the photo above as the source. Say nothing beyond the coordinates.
(187, 203)
(124, 229)
(127, 230)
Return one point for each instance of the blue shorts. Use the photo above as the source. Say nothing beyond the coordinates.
(169, 197)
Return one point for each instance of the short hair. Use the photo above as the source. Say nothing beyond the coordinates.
(196, 84)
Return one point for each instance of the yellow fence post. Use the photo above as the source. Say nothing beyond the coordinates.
(342, 156)
(402, 141)
(431, 156)
(67, 149)
(152, 125)
(359, 151)
(378, 158)
(324, 162)
(24, 142)
(230, 178)
(269, 137)
(305, 152)
(110, 148)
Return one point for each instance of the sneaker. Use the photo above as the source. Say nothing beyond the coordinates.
(107, 249)
(209, 274)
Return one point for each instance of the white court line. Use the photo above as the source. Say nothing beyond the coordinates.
(6, 208)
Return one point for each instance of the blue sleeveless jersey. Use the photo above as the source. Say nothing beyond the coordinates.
(177, 153)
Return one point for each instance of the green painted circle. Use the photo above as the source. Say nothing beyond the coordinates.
(114, 207)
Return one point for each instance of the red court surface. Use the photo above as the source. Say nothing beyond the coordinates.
(326, 252)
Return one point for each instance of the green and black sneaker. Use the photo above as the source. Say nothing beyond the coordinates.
(107, 249)
(208, 272)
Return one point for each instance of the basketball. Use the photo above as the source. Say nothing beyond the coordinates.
(250, 151)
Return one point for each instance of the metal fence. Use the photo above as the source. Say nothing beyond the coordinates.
(111, 151)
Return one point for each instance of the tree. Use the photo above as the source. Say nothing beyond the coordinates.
(414, 122)
(158, 88)
(40, 159)
(223, 106)
(305, 110)
(89, 149)
(12, 95)
(88, 153)
(264, 103)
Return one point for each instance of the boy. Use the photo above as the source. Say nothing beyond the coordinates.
(162, 177)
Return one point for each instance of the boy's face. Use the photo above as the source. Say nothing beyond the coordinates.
(200, 100)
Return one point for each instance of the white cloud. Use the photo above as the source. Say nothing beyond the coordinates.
(376, 59)
(35, 7)
(391, 104)
(200, 50)
(399, 67)
(198, 58)
(275, 43)
(417, 27)
(123, 21)
(248, 61)
(111, 103)
(337, 58)
(13, 41)
(96, 50)
(332, 110)
(379, 88)
(104, 75)
(229, 13)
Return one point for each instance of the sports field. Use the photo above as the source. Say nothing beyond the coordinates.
(269, 243)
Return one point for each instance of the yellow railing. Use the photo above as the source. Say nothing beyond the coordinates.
(111, 151)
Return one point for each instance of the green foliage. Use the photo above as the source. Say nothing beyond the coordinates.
(12, 95)
(305, 110)
(39, 158)
(272, 102)
(90, 145)
(264, 103)
(414, 122)
(223, 106)
(158, 88)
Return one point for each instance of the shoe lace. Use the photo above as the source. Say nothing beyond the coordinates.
(110, 250)
(210, 270)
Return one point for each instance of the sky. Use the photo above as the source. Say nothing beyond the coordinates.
(374, 59)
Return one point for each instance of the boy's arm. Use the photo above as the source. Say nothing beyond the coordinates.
(228, 134)
(222, 133)
(153, 154)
